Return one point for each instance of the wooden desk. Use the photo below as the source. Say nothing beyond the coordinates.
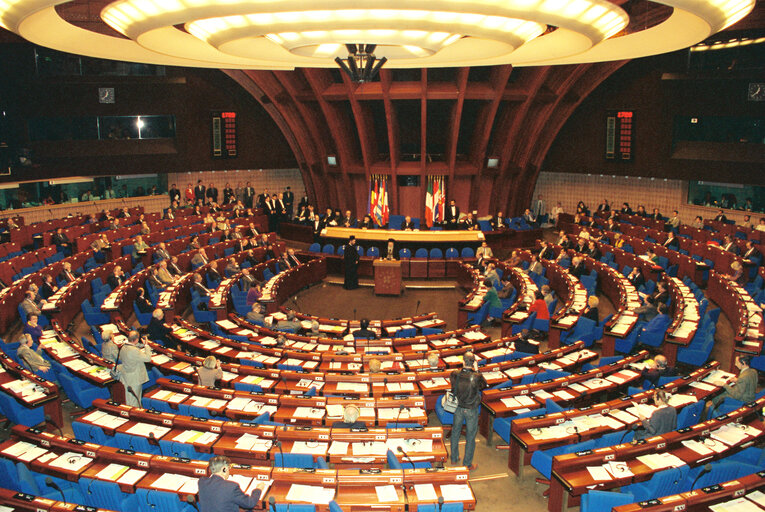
(387, 277)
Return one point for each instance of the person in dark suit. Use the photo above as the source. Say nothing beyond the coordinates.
(218, 494)
(175, 194)
(671, 242)
(142, 303)
(662, 420)
(294, 261)
(61, 241)
(452, 215)
(48, 287)
(249, 195)
(720, 217)
(578, 268)
(730, 246)
(199, 192)
(659, 368)
(636, 277)
(408, 224)
(350, 418)
(117, 278)
(157, 330)
(364, 331)
(288, 198)
(351, 265)
(545, 251)
(498, 222)
(751, 253)
(66, 275)
(228, 194)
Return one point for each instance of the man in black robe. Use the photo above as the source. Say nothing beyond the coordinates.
(351, 264)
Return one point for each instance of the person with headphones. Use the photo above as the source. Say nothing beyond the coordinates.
(662, 420)
(218, 494)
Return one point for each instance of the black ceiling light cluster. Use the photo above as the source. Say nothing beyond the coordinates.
(361, 65)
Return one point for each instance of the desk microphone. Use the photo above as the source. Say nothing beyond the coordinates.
(191, 501)
(632, 428)
(49, 420)
(706, 469)
(272, 503)
(400, 409)
(416, 309)
(440, 503)
(50, 483)
(401, 450)
(278, 444)
(578, 435)
(154, 438)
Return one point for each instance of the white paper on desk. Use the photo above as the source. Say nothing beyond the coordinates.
(170, 482)
(338, 448)
(191, 486)
(622, 416)
(578, 387)
(599, 473)
(242, 481)
(541, 394)
(525, 401)
(308, 412)
(425, 492)
(563, 395)
(678, 400)
(71, 461)
(112, 472)
(3, 508)
(310, 493)
(239, 403)
(618, 469)
(369, 448)
(146, 429)
(757, 497)
(737, 505)
(44, 459)
(386, 493)
(456, 492)
(313, 448)
(32, 454)
(697, 447)
(18, 448)
(702, 386)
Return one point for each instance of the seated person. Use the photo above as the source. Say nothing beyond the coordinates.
(535, 267)
(163, 274)
(498, 222)
(48, 287)
(139, 247)
(291, 324)
(253, 294)
(635, 277)
(491, 274)
(591, 311)
(539, 306)
(470, 223)
(143, 304)
(656, 328)
(257, 314)
(350, 418)
(109, 349)
(736, 273)
(33, 359)
(32, 328)
(66, 275)
(651, 302)
(743, 387)
(232, 267)
(507, 289)
(364, 331)
(577, 267)
(209, 372)
(662, 420)
(408, 224)
(116, 279)
(159, 331)
(199, 287)
(656, 368)
(548, 294)
(491, 297)
(482, 254)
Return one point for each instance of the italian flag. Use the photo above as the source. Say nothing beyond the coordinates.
(435, 200)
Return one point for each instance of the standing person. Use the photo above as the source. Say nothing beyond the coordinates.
(218, 494)
(288, 198)
(131, 368)
(467, 385)
(351, 264)
(173, 193)
(199, 192)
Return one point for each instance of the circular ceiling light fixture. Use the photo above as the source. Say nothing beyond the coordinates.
(284, 34)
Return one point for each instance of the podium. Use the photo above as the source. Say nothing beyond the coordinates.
(387, 277)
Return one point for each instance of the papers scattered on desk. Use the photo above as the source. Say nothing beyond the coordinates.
(434, 383)
(679, 400)
(733, 433)
(104, 419)
(308, 413)
(310, 494)
(396, 387)
(369, 448)
(252, 442)
(175, 482)
(618, 469)
(657, 461)
(195, 436)
(18, 448)
(516, 402)
(112, 472)
(338, 448)
(425, 492)
(71, 461)
(702, 386)
(563, 395)
(146, 429)
(579, 388)
(310, 447)
(410, 445)
(622, 416)
(456, 492)
(226, 324)
(598, 473)
(356, 387)
(25, 388)
(386, 493)
(701, 447)
(757, 497)
(76, 365)
(718, 377)
(515, 373)
(737, 505)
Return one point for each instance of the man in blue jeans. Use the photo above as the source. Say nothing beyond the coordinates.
(467, 385)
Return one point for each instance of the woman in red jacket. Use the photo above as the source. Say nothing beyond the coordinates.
(539, 306)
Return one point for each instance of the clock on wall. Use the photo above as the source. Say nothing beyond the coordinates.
(106, 94)
(756, 92)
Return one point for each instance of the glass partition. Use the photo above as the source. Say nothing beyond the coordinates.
(727, 195)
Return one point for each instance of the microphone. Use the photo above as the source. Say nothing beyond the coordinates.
(706, 469)
(49, 420)
(401, 450)
(632, 428)
(278, 444)
(191, 501)
(272, 503)
(400, 408)
(154, 438)
(440, 503)
(354, 313)
(578, 435)
(416, 309)
(53, 485)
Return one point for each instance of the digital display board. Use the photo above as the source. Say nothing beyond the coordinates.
(620, 134)
(224, 139)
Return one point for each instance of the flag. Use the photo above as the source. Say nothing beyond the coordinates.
(384, 201)
(434, 200)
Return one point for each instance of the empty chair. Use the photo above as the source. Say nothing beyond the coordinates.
(467, 252)
(373, 252)
(328, 249)
(451, 253)
(314, 247)
(436, 253)
(421, 253)
(663, 483)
